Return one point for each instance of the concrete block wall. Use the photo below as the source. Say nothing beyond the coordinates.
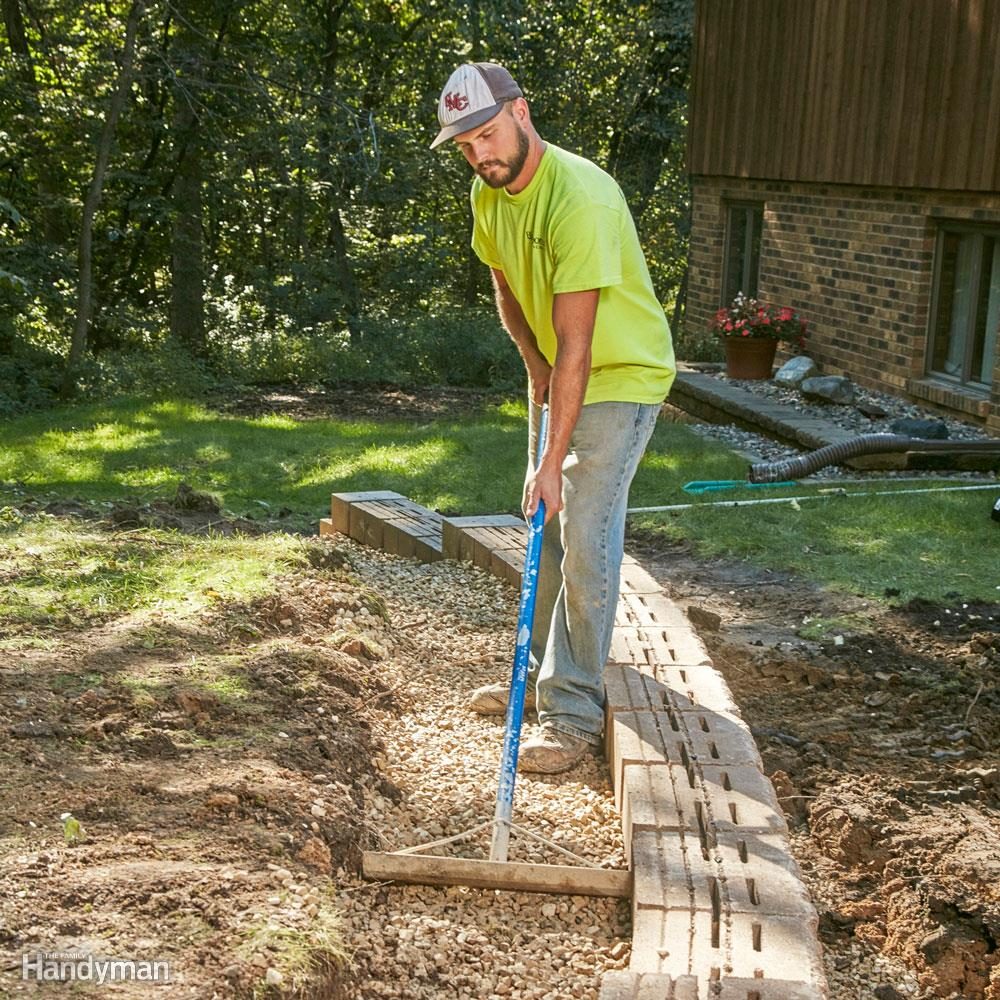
(857, 263)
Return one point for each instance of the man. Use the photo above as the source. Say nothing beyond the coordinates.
(574, 293)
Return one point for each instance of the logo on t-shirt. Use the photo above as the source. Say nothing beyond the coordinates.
(456, 102)
(537, 243)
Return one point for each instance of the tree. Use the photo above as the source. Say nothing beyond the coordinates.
(84, 307)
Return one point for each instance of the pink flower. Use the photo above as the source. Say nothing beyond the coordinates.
(729, 326)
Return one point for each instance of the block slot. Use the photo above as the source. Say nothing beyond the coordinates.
(675, 724)
(716, 912)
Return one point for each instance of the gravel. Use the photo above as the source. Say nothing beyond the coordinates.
(847, 417)
(452, 629)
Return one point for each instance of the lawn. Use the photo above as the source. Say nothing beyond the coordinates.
(936, 546)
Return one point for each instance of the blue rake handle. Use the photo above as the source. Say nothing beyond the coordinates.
(519, 675)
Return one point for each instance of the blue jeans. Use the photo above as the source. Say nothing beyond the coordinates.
(581, 559)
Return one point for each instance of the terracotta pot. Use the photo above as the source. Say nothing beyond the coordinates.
(750, 357)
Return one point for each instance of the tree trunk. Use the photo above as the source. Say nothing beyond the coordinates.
(84, 302)
(474, 270)
(336, 185)
(48, 168)
(187, 252)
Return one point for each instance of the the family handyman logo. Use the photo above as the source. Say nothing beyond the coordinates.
(59, 967)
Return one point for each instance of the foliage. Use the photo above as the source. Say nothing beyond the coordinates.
(748, 317)
(270, 196)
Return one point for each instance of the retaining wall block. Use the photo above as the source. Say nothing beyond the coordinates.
(645, 646)
(623, 984)
(740, 797)
(769, 989)
(662, 686)
(340, 505)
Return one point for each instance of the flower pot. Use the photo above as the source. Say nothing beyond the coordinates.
(750, 357)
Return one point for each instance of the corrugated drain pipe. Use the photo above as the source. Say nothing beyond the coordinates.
(864, 444)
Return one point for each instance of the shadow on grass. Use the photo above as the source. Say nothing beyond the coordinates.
(471, 465)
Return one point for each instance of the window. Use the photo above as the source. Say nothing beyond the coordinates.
(741, 267)
(966, 310)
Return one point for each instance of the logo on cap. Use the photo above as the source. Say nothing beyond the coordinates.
(456, 102)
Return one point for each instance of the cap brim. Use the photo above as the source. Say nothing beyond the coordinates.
(474, 120)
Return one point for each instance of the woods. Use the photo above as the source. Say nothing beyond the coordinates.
(243, 190)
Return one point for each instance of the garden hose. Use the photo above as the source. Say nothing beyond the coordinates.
(865, 444)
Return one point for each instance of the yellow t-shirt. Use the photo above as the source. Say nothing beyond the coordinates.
(570, 230)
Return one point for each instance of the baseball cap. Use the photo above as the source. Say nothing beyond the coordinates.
(474, 93)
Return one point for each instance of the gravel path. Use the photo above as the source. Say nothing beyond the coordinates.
(452, 630)
(850, 418)
(422, 942)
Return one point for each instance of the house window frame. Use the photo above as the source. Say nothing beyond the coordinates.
(963, 381)
(753, 223)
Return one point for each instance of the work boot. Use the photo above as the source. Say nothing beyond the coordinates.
(492, 699)
(551, 751)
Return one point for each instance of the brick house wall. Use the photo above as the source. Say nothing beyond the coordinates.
(858, 263)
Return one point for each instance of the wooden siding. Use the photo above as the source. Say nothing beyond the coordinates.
(888, 93)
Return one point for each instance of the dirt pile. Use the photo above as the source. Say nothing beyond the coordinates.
(217, 767)
(881, 732)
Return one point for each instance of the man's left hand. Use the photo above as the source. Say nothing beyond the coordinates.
(545, 484)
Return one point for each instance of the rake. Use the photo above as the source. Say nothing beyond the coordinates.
(411, 864)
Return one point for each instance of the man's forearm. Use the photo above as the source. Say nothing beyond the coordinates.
(516, 325)
(567, 388)
(573, 316)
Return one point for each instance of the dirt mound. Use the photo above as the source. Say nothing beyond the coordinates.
(218, 777)
(189, 511)
(882, 737)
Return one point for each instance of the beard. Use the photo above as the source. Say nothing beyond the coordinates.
(505, 172)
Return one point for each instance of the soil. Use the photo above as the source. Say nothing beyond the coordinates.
(880, 730)
(164, 778)
(219, 766)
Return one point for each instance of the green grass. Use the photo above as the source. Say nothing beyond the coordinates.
(141, 451)
(895, 547)
(64, 573)
(935, 546)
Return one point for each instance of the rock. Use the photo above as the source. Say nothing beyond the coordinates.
(315, 853)
(104, 728)
(927, 430)
(273, 977)
(222, 800)
(871, 410)
(32, 730)
(195, 703)
(887, 992)
(935, 944)
(703, 618)
(791, 373)
(829, 389)
(187, 498)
